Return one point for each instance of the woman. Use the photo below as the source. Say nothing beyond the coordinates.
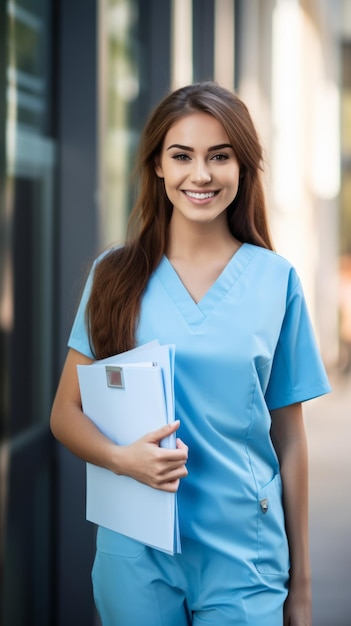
(198, 270)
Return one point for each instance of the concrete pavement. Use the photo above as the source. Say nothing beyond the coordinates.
(328, 426)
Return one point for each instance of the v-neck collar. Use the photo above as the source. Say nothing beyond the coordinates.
(195, 312)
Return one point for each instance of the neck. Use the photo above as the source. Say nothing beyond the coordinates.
(200, 240)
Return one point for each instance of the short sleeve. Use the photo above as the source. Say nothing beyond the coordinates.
(298, 373)
(79, 337)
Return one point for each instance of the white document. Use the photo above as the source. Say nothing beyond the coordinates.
(127, 396)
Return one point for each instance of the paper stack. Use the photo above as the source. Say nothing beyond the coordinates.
(127, 396)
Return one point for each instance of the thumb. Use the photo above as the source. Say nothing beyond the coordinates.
(157, 435)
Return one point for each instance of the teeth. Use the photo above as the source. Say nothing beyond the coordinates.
(200, 196)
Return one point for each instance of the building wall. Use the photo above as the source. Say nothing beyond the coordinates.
(289, 76)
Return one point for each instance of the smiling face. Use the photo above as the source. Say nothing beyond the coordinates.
(199, 168)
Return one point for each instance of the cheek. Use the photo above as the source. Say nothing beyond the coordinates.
(168, 189)
(234, 183)
(171, 178)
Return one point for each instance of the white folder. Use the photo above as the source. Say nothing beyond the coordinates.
(127, 396)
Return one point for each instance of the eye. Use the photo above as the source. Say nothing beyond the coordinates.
(220, 157)
(181, 157)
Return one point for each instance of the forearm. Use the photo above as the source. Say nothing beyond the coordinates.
(74, 429)
(143, 459)
(79, 434)
(294, 472)
(289, 440)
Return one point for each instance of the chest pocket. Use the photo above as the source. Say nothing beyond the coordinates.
(273, 551)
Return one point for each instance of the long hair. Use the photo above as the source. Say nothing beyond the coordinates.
(122, 275)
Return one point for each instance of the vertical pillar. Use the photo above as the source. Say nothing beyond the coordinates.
(182, 43)
(224, 51)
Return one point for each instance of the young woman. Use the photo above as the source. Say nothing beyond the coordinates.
(198, 270)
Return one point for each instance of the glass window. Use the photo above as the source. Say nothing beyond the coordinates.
(345, 215)
(28, 65)
(119, 76)
(27, 263)
(345, 230)
(26, 283)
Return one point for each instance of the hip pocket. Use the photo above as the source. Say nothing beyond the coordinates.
(110, 542)
(272, 543)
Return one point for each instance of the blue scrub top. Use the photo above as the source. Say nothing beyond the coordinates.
(247, 347)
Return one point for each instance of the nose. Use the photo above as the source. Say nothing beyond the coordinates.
(201, 173)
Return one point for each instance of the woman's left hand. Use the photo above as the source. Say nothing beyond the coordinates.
(298, 607)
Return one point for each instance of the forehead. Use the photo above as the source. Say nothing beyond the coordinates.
(196, 129)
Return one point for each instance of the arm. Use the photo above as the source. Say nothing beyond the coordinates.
(289, 440)
(143, 460)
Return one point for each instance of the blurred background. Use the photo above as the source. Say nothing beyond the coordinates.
(78, 79)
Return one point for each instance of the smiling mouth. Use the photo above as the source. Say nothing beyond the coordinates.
(200, 196)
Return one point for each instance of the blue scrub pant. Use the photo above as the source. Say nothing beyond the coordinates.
(137, 586)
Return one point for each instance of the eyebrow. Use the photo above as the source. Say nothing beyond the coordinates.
(210, 149)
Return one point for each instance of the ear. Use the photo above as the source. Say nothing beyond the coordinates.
(158, 168)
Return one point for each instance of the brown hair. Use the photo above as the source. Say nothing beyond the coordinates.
(122, 275)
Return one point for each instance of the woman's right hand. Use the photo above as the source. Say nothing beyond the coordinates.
(149, 463)
(144, 460)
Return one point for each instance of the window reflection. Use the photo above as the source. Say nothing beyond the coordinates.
(119, 70)
(27, 255)
(345, 217)
(345, 231)
(26, 313)
(28, 72)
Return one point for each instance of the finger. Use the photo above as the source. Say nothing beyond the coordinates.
(171, 471)
(175, 477)
(181, 445)
(170, 486)
(157, 435)
(174, 456)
